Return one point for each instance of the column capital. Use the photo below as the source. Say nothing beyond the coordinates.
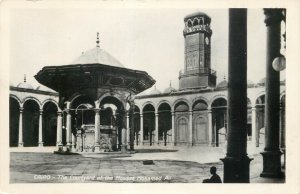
(190, 112)
(273, 16)
(41, 111)
(209, 110)
(253, 108)
(141, 115)
(67, 111)
(97, 110)
(156, 114)
(21, 109)
(59, 113)
(173, 113)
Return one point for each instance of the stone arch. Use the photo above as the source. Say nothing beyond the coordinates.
(111, 94)
(148, 112)
(200, 98)
(162, 102)
(78, 96)
(197, 101)
(16, 98)
(14, 116)
(282, 94)
(31, 116)
(249, 103)
(34, 99)
(164, 122)
(189, 23)
(258, 95)
(139, 108)
(50, 100)
(181, 100)
(49, 125)
(219, 119)
(195, 22)
(217, 97)
(146, 103)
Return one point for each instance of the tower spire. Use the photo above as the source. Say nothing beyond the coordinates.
(97, 41)
(24, 77)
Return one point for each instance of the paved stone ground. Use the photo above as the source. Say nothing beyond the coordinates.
(34, 167)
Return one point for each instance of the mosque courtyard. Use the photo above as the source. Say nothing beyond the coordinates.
(186, 165)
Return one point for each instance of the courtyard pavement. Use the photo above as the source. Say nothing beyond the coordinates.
(187, 165)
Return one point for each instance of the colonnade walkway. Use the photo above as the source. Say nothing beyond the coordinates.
(184, 165)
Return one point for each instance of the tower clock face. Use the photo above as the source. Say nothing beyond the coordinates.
(207, 40)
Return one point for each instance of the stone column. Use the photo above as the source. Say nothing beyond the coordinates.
(132, 129)
(156, 129)
(236, 162)
(74, 139)
(20, 142)
(97, 129)
(254, 133)
(41, 128)
(173, 129)
(127, 129)
(68, 130)
(141, 129)
(123, 133)
(209, 115)
(282, 133)
(59, 132)
(191, 128)
(272, 153)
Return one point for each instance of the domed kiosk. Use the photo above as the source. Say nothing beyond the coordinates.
(94, 90)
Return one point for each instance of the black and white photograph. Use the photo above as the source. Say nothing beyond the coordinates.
(123, 93)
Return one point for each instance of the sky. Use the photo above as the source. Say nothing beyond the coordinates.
(143, 39)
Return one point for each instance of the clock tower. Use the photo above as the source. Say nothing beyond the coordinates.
(197, 72)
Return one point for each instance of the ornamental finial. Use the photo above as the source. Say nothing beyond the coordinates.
(97, 41)
(24, 77)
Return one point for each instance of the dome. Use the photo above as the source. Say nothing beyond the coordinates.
(198, 13)
(97, 56)
(25, 84)
(249, 82)
(223, 84)
(262, 81)
(155, 91)
(169, 89)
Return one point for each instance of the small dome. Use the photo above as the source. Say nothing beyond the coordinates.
(198, 13)
(169, 89)
(249, 82)
(97, 56)
(24, 84)
(262, 81)
(223, 84)
(155, 91)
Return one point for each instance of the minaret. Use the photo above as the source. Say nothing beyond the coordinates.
(197, 71)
